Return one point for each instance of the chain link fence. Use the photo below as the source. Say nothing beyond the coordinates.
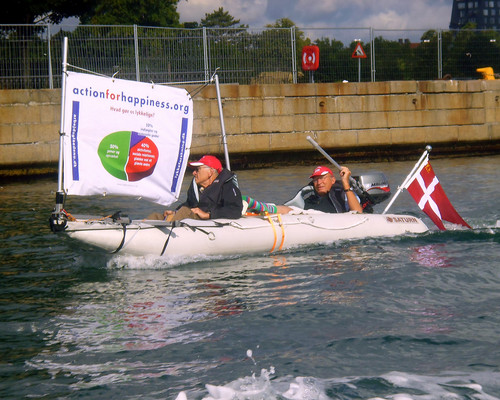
(31, 55)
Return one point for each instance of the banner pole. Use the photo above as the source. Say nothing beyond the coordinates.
(221, 116)
(61, 129)
(410, 175)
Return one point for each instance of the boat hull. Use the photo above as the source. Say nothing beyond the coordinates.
(247, 235)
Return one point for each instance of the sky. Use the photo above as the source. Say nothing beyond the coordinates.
(378, 14)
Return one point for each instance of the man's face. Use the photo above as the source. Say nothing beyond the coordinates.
(202, 175)
(323, 184)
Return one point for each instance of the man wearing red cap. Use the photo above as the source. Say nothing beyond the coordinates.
(213, 193)
(326, 194)
(331, 196)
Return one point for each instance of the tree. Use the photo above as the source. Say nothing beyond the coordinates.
(220, 19)
(106, 12)
(133, 12)
(30, 11)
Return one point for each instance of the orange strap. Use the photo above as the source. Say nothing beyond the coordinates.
(282, 232)
(274, 231)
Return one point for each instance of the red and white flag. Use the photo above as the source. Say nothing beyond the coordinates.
(426, 190)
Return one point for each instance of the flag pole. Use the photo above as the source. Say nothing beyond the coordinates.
(410, 175)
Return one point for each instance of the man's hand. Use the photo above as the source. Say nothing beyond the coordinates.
(200, 213)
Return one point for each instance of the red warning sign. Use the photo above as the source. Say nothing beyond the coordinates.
(310, 58)
(358, 51)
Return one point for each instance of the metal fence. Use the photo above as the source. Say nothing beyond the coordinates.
(31, 55)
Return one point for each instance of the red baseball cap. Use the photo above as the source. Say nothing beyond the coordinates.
(209, 161)
(320, 171)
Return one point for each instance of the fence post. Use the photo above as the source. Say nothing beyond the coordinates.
(372, 54)
(294, 52)
(51, 83)
(205, 55)
(136, 49)
(440, 54)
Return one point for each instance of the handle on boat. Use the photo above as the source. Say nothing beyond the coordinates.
(365, 199)
(320, 149)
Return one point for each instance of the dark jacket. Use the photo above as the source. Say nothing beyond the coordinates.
(333, 202)
(222, 199)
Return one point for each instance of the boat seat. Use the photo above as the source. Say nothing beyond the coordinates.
(298, 199)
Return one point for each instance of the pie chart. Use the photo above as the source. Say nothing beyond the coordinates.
(127, 155)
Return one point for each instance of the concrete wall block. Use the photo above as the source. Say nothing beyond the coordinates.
(438, 134)
(494, 131)
(272, 124)
(302, 105)
(298, 123)
(345, 121)
(402, 87)
(18, 114)
(202, 107)
(347, 104)
(374, 137)
(348, 88)
(301, 90)
(374, 88)
(491, 85)
(20, 154)
(490, 115)
(369, 120)
(473, 133)
(45, 96)
(322, 122)
(250, 143)
(232, 125)
(327, 89)
(293, 141)
(210, 126)
(7, 133)
(403, 136)
(15, 97)
(490, 99)
(336, 139)
(49, 113)
(473, 85)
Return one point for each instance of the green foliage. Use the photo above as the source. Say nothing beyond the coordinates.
(160, 13)
(49, 11)
(220, 19)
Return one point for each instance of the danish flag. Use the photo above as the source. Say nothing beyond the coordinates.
(431, 198)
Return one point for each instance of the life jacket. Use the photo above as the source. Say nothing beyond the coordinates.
(210, 197)
(333, 202)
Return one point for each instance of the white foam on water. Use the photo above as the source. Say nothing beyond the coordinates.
(157, 262)
(450, 386)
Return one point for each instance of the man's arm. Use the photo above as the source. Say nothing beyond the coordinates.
(231, 203)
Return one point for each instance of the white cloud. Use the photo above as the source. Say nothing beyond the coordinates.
(381, 14)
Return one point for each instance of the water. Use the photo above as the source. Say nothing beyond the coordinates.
(401, 318)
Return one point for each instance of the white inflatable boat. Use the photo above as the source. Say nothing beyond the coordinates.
(247, 235)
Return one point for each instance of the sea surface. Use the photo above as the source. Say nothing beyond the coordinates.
(414, 317)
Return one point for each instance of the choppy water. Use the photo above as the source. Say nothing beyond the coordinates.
(401, 318)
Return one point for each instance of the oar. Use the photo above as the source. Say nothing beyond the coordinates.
(362, 193)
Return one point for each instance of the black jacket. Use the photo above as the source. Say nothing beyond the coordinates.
(222, 199)
(333, 202)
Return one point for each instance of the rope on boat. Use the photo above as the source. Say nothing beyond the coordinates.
(124, 227)
(282, 232)
(274, 231)
(332, 228)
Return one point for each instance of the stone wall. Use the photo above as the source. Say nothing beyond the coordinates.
(263, 119)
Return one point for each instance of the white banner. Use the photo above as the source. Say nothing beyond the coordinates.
(125, 137)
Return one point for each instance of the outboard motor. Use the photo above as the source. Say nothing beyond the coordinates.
(373, 188)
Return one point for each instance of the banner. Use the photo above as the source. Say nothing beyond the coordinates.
(126, 138)
(426, 190)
